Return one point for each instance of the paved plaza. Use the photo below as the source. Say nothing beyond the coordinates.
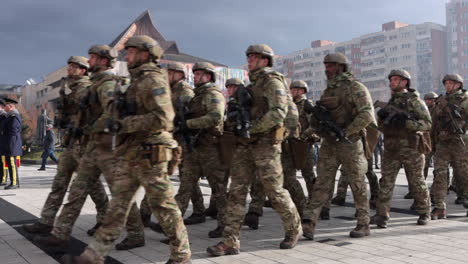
(442, 241)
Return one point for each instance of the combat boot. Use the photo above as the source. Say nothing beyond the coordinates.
(127, 244)
(251, 220)
(380, 221)
(340, 201)
(423, 219)
(308, 229)
(290, 241)
(221, 249)
(438, 214)
(93, 230)
(171, 261)
(408, 196)
(146, 219)
(195, 219)
(212, 212)
(218, 232)
(52, 241)
(360, 231)
(38, 228)
(325, 213)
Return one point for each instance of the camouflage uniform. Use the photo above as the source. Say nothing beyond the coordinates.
(307, 134)
(144, 149)
(208, 112)
(97, 158)
(400, 149)
(70, 158)
(351, 106)
(449, 147)
(183, 91)
(259, 157)
(429, 156)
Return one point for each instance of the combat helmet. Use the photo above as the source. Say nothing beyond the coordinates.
(105, 52)
(205, 66)
(430, 96)
(234, 81)
(263, 50)
(401, 73)
(146, 43)
(299, 84)
(453, 77)
(337, 57)
(79, 60)
(177, 66)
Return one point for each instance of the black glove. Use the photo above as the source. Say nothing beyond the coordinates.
(383, 113)
(399, 120)
(112, 126)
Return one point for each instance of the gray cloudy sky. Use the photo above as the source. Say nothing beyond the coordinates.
(37, 36)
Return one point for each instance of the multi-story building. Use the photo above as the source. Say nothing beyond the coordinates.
(457, 36)
(419, 49)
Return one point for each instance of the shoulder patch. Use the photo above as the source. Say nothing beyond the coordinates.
(159, 91)
(360, 94)
(215, 101)
(110, 93)
(280, 92)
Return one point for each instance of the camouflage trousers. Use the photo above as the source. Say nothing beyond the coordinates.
(262, 161)
(96, 160)
(131, 172)
(204, 160)
(291, 183)
(352, 159)
(343, 182)
(413, 163)
(449, 152)
(196, 198)
(68, 164)
(428, 159)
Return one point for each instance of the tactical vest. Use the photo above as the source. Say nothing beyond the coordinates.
(260, 106)
(339, 102)
(400, 132)
(198, 110)
(303, 117)
(94, 108)
(73, 100)
(444, 128)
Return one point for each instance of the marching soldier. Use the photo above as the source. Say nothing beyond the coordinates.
(97, 157)
(403, 121)
(429, 100)
(144, 146)
(205, 126)
(3, 169)
(350, 106)
(260, 155)
(450, 131)
(71, 119)
(11, 139)
(181, 93)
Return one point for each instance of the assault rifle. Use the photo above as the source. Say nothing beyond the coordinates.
(183, 113)
(394, 113)
(243, 118)
(454, 113)
(118, 110)
(327, 126)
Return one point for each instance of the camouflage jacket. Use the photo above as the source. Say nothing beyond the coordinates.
(410, 102)
(453, 105)
(99, 96)
(72, 102)
(307, 132)
(291, 121)
(182, 90)
(270, 100)
(208, 107)
(152, 120)
(349, 103)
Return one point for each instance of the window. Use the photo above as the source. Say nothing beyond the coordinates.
(405, 34)
(393, 49)
(405, 46)
(393, 60)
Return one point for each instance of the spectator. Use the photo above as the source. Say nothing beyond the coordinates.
(49, 147)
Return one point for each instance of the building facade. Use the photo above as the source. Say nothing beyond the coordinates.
(419, 49)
